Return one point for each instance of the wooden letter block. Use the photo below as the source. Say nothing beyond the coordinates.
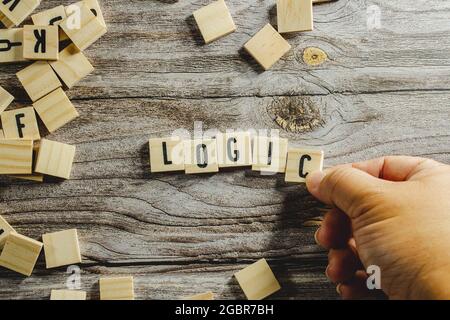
(267, 47)
(116, 288)
(55, 159)
(294, 15)
(214, 21)
(20, 124)
(38, 80)
(68, 295)
(5, 230)
(72, 66)
(17, 10)
(6, 22)
(11, 45)
(234, 149)
(61, 248)
(41, 42)
(200, 156)
(51, 17)
(95, 9)
(55, 110)
(257, 281)
(5, 99)
(16, 156)
(35, 177)
(202, 296)
(269, 154)
(166, 154)
(301, 162)
(20, 254)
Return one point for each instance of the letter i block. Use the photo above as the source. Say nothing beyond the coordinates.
(61, 248)
(301, 162)
(20, 124)
(17, 10)
(67, 295)
(200, 156)
(55, 159)
(166, 154)
(40, 42)
(16, 156)
(5, 99)
(269, 154)
(5, 230)
(120, 288)
(234, 149)
(11, 45)
(38, 80)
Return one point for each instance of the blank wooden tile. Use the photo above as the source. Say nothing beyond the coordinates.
(5, 21)
(17, 10)
(35, 177)
(234, 149)
(38, 80)
(269, 154)
(61, 248)
(90, 29)
(94, 6)
(20, 124)
(257, 281)
(5, 230)
(294, 15)
(120, 288)
(200, 156)
(11, 45)
(5, 99)
(2, 136)
(214, 21)
(55, 110)
(166, 154)
(40, 42)
(72, 66)
(20, 253)
(68, 295)
(55, 159)
(16, 156)
(51, 17)
(267, 47)
(202, 296)
(301, 162)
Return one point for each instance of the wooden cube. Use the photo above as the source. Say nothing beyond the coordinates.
(200, 156)
(89, 30)
(214, 21)
(267, 47)
(11, 44)
(6, 22)
(61, 248)
(55, 110)
(20, 124)
(234, 149)
(72, 66)
(2, 136)
(5, 99)
(166, 154)
(120, 288)
(55, 159)
(20, 253)
(5, 230)
(38, 80)
(16, 156)
(35, 177)
(269, 154)
(40, 42)
(68, 295)
(301, 162)
(95, 9)
(257, 281)
(17, 10)
(51, 17)
(202, 296)
(294, 15)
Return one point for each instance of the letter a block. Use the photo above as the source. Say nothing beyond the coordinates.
(120, 288)
(294, 15)
(17, 10)
(11, 45)
(55, 159)
(200, 156)
(269, 154)
(166, 154)
(38, 80)
(5, 230)
(20, 124)
(301, 162)
(40, 42)
(61, 248)
(16, 156)
(234, 149)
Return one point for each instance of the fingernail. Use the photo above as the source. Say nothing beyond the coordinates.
(315, 236)
(338, 288)
(313, 181)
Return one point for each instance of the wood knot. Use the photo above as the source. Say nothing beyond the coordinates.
(314, 56)
(295, 114)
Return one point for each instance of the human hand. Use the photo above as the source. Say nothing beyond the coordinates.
(392, 212)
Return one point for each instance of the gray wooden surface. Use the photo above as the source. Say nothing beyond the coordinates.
(383, 91)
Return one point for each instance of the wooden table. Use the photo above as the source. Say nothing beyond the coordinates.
(380, 91)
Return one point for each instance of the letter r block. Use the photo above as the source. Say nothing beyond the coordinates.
(301, 162)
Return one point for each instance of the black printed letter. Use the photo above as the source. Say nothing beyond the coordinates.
(200, 148)
(20, 125)
(13, 6)
(302, 165)
(230, 151)
(40, 40)
(166, 158)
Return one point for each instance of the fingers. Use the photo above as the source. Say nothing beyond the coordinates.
(342, 265)
(335, 231)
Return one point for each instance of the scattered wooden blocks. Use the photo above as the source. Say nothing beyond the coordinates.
(55, 159)
(11, 45)
(20, 253)
(17, 10)
(40, 42)
(294, 15)
(72, 66)
(5, 99)
(61, 248)
(166, 154)
(5, 230)
(95, 9)
(269, 154)
(214, 21)
(6, 22)
(301, 162)
(120, 288)
(67, 295)
(257, 281)
(16, 156)
(202, 296)
(200, 156)
(38, 80)
(51, 17)
(20, 124)
(234, 149)
(267, 47)
(55, 110)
